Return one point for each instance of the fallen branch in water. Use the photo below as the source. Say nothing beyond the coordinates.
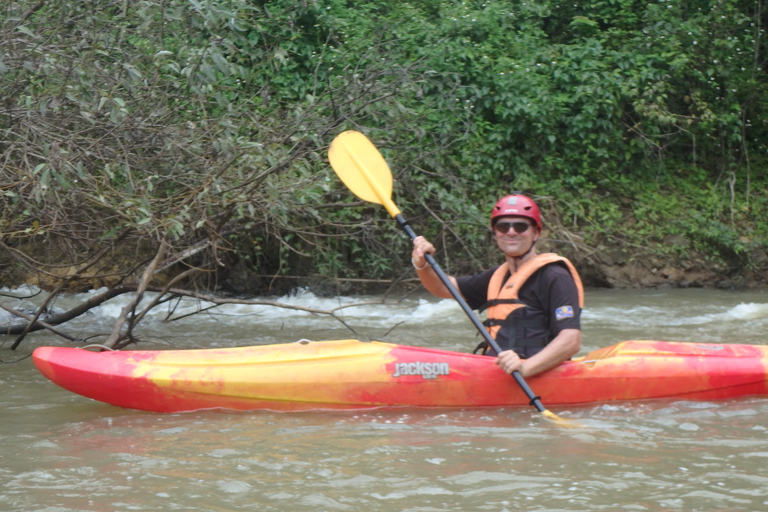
(164, 295)
(32, 321)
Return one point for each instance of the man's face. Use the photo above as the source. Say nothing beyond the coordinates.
(515, 235)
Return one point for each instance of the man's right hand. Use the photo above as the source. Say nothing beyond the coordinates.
(421, 246)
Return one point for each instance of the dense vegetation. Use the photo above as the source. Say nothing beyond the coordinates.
(192, 134)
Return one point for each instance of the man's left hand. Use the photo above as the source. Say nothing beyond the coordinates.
(509, 361)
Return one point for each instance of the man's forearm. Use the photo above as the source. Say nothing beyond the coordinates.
(565, 345)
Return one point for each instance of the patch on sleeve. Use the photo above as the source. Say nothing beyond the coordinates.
(564, 312)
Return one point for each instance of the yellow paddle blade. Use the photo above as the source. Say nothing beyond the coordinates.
(560, 421)
(362, 169)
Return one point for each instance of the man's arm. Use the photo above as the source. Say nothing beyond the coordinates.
(565, 345)
(427, 275)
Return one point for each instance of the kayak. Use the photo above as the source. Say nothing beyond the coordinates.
(350, 374)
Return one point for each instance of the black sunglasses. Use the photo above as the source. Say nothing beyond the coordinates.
(504, 227)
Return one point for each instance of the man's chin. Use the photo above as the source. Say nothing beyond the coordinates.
(515, 253)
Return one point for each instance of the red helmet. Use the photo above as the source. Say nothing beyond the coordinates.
(518, 205)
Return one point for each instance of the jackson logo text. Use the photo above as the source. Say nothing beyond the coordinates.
(426, 370)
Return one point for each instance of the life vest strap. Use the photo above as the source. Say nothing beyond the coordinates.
(531, 342)
(496, 302)
(521, 343)
(519, 322)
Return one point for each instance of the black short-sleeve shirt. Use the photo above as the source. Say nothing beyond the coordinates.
(549, 289)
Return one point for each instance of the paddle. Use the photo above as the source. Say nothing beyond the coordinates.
(366, 174)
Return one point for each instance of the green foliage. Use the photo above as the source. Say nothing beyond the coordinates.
(208, 121)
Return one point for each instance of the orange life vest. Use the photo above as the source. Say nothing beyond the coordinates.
(503, 300)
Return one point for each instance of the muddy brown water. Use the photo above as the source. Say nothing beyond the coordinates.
(62, 452)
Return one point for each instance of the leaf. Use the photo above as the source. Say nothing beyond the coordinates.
(133, 72)
(583, 20)
(24, 29)
(45, 178)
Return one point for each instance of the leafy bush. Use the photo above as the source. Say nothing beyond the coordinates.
(203, 126)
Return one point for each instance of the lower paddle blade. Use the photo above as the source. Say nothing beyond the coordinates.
(361, 167)
(560, 421)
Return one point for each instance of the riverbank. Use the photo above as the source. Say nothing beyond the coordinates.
(613, 269)
(603, 268)
(633, 275)
(641, 275)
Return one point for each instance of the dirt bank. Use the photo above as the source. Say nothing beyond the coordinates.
(602, 269)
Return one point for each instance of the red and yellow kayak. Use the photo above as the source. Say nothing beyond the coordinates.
(349, 374)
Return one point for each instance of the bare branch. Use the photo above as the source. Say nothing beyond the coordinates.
(130, 309)
(34, 321)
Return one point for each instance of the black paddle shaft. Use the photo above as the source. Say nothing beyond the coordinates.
(534, 400)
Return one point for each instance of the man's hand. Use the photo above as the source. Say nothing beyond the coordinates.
(509, 361)
(421, 246)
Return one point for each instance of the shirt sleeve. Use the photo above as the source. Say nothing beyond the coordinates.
(474, 288)
(563, 304)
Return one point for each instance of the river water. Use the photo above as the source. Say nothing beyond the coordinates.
(62, 452)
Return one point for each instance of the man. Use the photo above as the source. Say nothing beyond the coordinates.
(534, 300)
